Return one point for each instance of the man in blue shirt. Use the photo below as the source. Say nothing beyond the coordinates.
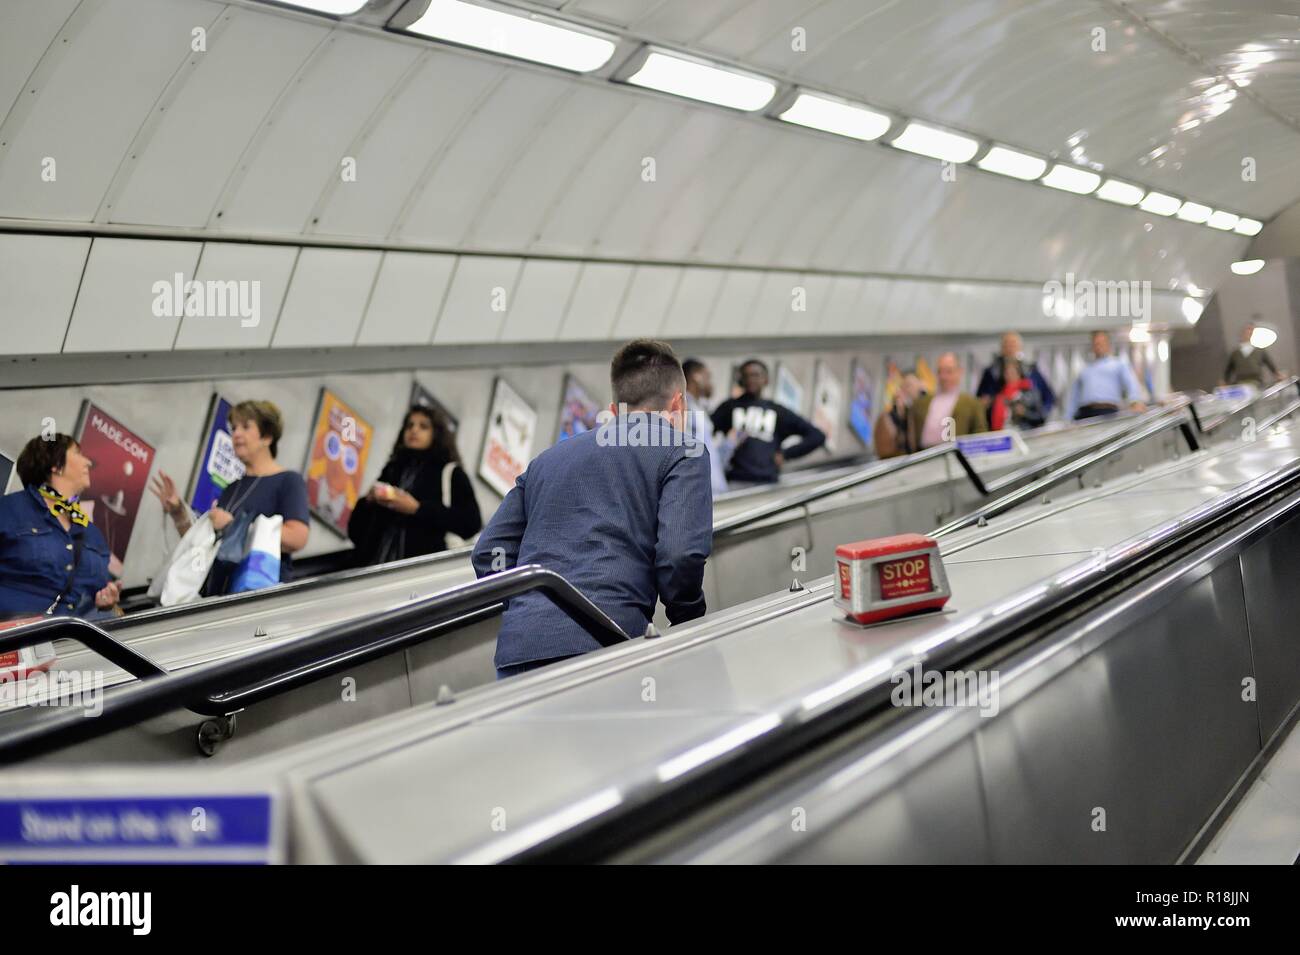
(1105, 386)
(699, 388)
(623, 512)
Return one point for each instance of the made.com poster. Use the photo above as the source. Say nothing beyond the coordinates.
(120, 463)
(336, 460)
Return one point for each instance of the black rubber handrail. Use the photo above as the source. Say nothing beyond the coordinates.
(1209, 427)
(1180, 419)
(88, 635)
(885, 468)
(226, 686)
(342, 576)
(871, 473)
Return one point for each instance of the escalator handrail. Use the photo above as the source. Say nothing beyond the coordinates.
(1179, 419)
(1019, 615)
(222, 687)
(745, 519)
(324, 580)
(1209, 427)
(873, 472)
(88, 635)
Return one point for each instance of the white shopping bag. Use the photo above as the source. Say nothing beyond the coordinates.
(187, 568)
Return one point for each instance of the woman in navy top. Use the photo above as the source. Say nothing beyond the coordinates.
(265, 490)
(52, 559)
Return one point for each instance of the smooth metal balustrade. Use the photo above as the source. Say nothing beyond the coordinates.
(1118, 620)
(308, 710)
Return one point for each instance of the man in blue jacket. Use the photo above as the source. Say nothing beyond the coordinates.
(624, 512)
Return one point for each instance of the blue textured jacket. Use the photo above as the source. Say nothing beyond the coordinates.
(35, 552)
(623, 519)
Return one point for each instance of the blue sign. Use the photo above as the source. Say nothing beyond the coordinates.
(218, 467)
(129, 829)
(1233, 392)
(974, 444)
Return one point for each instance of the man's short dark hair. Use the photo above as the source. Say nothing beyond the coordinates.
(690, 366)
(646, 374)
(41, 456)
(754, 361)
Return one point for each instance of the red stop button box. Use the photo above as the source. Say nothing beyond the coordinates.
(889, 577)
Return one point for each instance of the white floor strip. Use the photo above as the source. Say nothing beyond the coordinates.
(1264, 829)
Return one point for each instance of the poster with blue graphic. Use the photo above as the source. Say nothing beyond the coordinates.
(217, 467)
(861, 405)
(578, 411)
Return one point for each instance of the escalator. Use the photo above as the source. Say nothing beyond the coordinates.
(1121, 623)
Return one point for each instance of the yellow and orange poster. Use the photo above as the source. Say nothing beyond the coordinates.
(336, 460)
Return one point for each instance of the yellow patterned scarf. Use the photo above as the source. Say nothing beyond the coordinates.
(60, 505)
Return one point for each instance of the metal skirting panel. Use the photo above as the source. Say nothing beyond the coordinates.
(1122, 757)
(1270, 569)
(917, 821)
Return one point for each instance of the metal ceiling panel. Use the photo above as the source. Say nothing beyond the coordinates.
(90, 96)
(327, 298)
(482, 292)
(266, 269)
(177, 175)
(407, 299)
(115, 310)
(303, 144)
(39, 278)
(545, 288)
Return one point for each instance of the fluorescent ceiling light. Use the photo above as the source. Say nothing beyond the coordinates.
(338, 8)
(1012, 162)
(702, 81)
(1160, 204)
(1072, 179)
(1222, 220)
(1248, 226)
(1262, 336)
(1194, 212)
(1192, 310)
(509, 34)
(1139, 333)
(1125, 193)
(936, 143)
(836, 116)
(1247, 266)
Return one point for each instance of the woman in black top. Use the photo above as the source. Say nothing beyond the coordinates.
(405, 514)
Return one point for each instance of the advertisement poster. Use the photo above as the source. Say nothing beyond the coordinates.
(121, 462)
(828, 402)
(6, 469)
(861, 409)
(925, 372)
(336, 461)
(217, 466)
(893, 380)
(789, 392)
(508, 443)
(578, 412)
(423, 397)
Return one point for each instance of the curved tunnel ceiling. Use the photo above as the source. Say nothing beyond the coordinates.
(461, 152)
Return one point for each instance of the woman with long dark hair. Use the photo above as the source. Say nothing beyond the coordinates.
(422, 495)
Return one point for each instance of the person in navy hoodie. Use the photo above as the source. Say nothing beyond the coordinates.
(53, 561)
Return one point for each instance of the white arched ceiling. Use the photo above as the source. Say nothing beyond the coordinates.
(477, 174)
